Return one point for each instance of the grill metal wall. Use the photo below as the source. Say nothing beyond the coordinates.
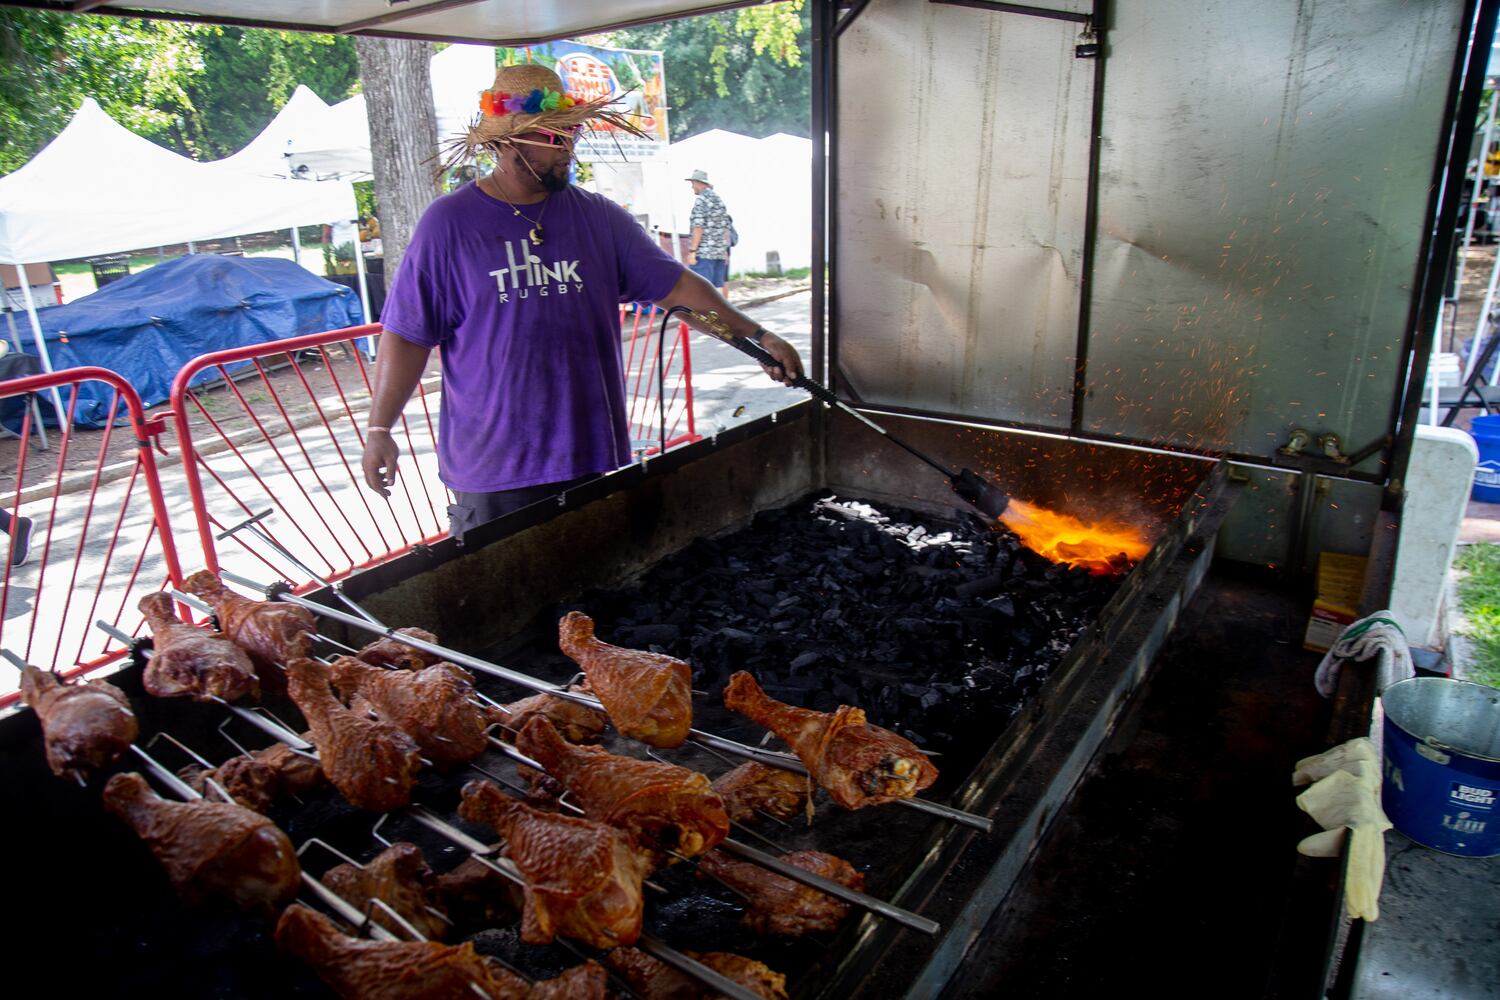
(1264, 173)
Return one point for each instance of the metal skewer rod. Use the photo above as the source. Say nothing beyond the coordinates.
(203, 761)
(663, 952)
(190, 794)
(192, 601)
(757, 835)
(650, 945)
(772, 758)
(164, 774)
(515, 755)
(317, 637)
(812, 879)
(767, 757)
(280, 733)
(836, 889)
(351, 914)
(252, 524)
(365, 920)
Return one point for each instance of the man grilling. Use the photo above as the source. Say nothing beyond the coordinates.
(518, 277)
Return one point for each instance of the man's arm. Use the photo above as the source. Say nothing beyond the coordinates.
(398, 368)
(699, 296)
(692, 249)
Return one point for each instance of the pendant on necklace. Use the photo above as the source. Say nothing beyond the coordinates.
(536, 234)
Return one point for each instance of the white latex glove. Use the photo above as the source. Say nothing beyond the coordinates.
(1321, 765)
(1350, 800)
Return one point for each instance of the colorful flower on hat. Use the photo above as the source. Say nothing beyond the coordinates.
(497, 102)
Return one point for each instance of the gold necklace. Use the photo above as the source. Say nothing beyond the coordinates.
(536, 224)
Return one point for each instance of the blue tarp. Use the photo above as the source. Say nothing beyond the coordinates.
(147, 326)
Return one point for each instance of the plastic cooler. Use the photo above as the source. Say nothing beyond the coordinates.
(1486, 433)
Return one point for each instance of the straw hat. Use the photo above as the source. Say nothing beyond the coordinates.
(529, 98)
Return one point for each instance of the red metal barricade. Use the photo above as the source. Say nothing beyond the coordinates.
(658, 383)
(254, 440)
(100, 535)
(280, 427)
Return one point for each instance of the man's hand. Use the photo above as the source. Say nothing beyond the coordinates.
(379, 461)
(791, 362)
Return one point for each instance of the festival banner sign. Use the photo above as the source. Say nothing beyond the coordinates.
(635, 78)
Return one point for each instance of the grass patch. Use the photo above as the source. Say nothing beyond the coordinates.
(1479, 599)
(792, 273)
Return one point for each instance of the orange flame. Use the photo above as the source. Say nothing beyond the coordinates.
(1102, 548)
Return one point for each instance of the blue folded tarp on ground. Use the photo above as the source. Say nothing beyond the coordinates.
(147, 326)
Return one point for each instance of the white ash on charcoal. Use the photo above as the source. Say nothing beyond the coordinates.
(930, 626)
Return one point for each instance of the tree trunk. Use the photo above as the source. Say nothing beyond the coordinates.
(403, 136)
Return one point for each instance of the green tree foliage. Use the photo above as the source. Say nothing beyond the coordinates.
(201, 90)
(248, 76)
(744, 71)
(138, 71)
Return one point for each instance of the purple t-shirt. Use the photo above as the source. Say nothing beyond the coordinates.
(533, 380)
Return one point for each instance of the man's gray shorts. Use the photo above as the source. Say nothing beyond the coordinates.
(469, 510)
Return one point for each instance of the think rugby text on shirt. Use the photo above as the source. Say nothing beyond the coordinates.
(527, 274)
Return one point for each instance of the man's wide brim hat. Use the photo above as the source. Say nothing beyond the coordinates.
(701, 176)
(527, 99)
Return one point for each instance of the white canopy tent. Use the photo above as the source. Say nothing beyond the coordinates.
(268, 154)
(338, 143)
(100, 188)
(764, 184)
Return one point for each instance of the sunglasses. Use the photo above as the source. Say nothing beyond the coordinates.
(564, 138)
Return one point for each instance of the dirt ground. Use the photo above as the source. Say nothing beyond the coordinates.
(279, 385)
(1458, 328)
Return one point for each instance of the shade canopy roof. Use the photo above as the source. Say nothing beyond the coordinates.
(496, 21)
(100, 188)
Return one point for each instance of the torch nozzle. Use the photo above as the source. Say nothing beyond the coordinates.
(983, 494)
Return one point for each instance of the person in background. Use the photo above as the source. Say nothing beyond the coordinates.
(19, 530)
(708, 249)
(518, 277)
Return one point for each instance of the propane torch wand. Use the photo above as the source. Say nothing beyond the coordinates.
(984, 495)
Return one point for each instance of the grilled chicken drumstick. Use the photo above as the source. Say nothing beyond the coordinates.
(651, 979)
(574, 722)
(272, 632)
(858, 764)
(649, 696)
(249, 782)
(776, 904)
(192, 662)
(475, 895)
(85, 727)
(417, 970)
(209, 849)
(296, 773)
(434, 705)
(399, 877)
(753, 787)
(373, 764)
(665, 807)
(583, 879)
(388, 652)
(258, 780)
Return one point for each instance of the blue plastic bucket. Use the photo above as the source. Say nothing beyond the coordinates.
(1486, 433)
(1442, 764)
